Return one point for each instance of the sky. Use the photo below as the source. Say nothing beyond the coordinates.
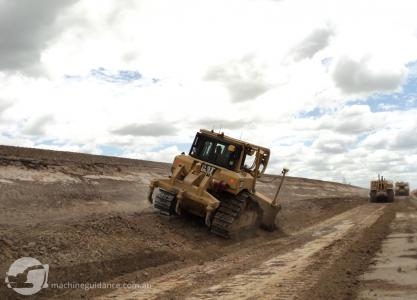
(329, 86)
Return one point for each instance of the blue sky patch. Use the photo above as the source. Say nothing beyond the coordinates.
(110, 150)
(182, 147)
(121, 76)
(402, 100)
(308, 143)
(317, 112)
(51, 142)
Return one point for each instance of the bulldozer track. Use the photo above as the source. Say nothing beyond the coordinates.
(165, 202)
(295, 265)
(227, 213)
(275, 276)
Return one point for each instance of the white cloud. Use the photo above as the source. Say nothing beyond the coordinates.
(332, 143)
(266, 71)
(163, 155)
(313, 43)
(149, 129)
(367, 76)
(243, 78)
(354, 119)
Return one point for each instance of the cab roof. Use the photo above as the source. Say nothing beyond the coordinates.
(232, 140)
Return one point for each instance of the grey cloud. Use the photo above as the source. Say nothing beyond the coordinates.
(350, 127)
(392, 139)
(4, 104)
(334, 143)
(382, 160)
(25, 29)
(246, 90)
(356, 124)
(405, 140)
(355, 77)
(150, 129)
(379, 139)
(129, 56)
(214, 123)
(316, 41)
(243, 78)
(318, 164)
(37, 126)
(352, 120)
(382, 143)
(331, 147)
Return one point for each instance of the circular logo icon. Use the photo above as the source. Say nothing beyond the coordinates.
(27, 276)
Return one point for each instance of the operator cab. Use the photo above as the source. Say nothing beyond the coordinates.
(216, 151)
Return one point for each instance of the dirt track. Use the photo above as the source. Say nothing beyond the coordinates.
(88, 218)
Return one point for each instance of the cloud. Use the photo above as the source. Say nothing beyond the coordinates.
(25, 29)
(406, 139)
(313, 43)
(165, 154)
(396, 134)
(354, 119)
(150, 129)
(223, 123)
(37, 126)
(4, 105)
(220, 65)
(377, 140)
(333, 143)
(364, 76)
(243, 78)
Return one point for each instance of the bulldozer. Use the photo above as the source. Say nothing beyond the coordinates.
(382, 190)
(402, 188)
(216, 180)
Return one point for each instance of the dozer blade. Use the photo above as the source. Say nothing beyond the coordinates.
(236, 216)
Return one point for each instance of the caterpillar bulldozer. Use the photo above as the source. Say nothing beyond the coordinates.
(402, 188)
(216, 180)
(382, 190)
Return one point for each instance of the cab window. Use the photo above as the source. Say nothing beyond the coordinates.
(214, 151)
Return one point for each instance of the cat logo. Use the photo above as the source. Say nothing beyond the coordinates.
(209, 170)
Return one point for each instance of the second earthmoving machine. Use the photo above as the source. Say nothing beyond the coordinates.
(382, 190)
(402, 188)
(217, 181)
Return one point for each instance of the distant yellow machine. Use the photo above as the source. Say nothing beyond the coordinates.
(402, 188)
(217, 181)
(382, 190)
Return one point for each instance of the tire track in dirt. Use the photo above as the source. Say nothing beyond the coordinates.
(279, 277)
(284, 276)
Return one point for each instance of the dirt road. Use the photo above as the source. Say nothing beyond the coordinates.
(88, 218)
(393, 272)
(268, 274)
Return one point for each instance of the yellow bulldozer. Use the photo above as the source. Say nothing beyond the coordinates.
(402, 188)
(382, 190)
(216, 180)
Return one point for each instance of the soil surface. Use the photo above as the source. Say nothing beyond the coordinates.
(393, 272)
(88, 218)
